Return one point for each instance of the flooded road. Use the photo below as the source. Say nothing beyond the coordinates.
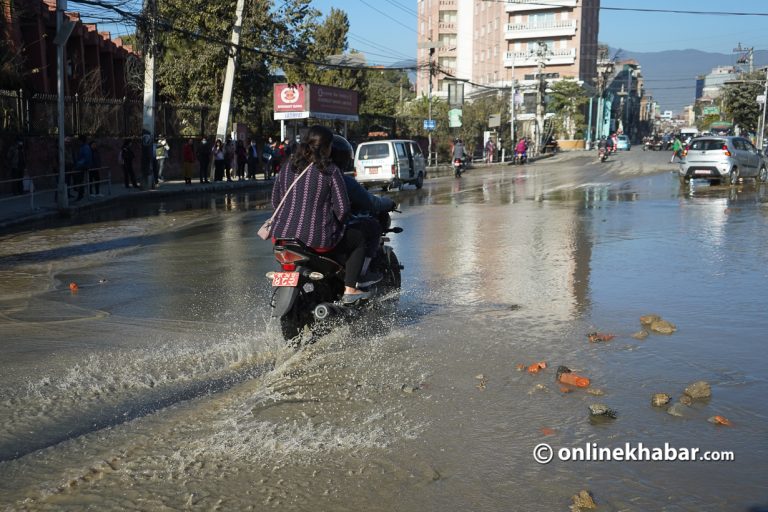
(161, 384)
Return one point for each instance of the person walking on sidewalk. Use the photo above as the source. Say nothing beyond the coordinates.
(204, 157)
(161, 154)
(253, 159)
(94, 174)
(83, 164)
(218, 160)
(188, 160)
(229, 157)
(126, 158)
(677, 149)
(17, 161)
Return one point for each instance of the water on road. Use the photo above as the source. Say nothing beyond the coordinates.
(161, 384)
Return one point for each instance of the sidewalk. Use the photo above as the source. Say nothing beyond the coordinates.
(16, 210)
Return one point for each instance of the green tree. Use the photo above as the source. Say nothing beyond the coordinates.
(704, 122)
(192, 50)
(566, 101)
(475, 117)
(739, 101)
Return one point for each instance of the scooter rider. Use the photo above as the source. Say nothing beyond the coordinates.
(361, 203)
(458, 150)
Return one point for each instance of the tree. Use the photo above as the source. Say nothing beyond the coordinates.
(475, 117)
(739, 101)
(566, 101)
(192, 50)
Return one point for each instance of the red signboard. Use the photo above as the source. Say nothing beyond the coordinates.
(290, 97)
(296, 101)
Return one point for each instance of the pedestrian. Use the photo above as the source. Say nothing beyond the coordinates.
(188, 160)
(204, 157)
(17, 160)
(241, 155)
(161, 155)
(266, 158)
(83, 165)
(229, 157)
(490, 148)
(218, 160)
(253, 159)
(677, 149)
(126, 158)
(94, 174)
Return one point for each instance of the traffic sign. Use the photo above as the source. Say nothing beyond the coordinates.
(430, 124)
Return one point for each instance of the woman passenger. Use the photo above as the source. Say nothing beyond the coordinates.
(317, 207)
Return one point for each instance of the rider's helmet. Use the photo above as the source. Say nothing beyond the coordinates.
(342, 154)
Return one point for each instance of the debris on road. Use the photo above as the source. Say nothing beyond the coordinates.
(720, 420)
(537, 367)
(602, 410)
(641, 335)
(595, 337)
(660, 399)
(583, 500)
(566, 376)
(699, 390)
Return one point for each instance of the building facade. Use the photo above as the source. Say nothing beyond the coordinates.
(490, 43)
(95, 64)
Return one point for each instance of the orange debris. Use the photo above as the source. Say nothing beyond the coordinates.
(73, 287)
(537, 367)
(547, 431)
(595, 337)
(722, 420)
(566, 376)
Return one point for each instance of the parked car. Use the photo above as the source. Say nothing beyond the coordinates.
(622, 143)
(722, 158)
(390, 164)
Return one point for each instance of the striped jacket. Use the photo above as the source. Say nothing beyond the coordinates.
(315, 209)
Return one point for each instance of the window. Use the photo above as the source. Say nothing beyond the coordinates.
(541, 20)
(373, 151)
(415, 149)
(707, 144)
(400, 147)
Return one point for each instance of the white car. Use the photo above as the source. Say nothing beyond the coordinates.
(390, 164)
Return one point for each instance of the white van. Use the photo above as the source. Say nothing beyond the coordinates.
(390, 164)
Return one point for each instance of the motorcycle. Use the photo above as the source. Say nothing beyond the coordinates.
(602, 154)
(520, 158)
(308, 289)
(458, 167)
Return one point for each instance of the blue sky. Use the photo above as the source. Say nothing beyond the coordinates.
(386, 29)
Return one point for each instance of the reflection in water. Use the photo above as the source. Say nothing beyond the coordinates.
(504, 268)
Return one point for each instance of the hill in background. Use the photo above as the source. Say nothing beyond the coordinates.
(670, 76)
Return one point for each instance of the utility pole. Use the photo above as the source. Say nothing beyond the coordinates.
(229, 79)
(148, 117)
(512, 94)
(761, 124)
(429, 101)
(63, 31)
(542, 53)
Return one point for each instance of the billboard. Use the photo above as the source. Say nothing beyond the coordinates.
(302, 101)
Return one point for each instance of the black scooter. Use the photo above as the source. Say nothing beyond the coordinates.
(307, 291)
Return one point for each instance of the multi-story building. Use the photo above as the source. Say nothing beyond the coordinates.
(492, 42)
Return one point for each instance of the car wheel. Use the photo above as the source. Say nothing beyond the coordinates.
(762, 175)
(420, 181)
(733, 176)
(385, 187)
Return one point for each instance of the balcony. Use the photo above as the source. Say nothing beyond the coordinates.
(559, 57)
(446, 26)
(565, 28)
(538, 5)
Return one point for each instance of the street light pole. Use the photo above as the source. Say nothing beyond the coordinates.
(761, 132)
(63, 31)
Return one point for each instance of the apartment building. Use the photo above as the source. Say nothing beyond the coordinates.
(490, 42)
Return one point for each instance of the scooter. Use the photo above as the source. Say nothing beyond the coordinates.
(602, 154)
(458, 167)
(307, 291)
(520, 157)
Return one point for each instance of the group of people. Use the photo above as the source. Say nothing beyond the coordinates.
(317, 209)
(230, 160)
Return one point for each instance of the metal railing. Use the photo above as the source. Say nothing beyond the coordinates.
(34, 188)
